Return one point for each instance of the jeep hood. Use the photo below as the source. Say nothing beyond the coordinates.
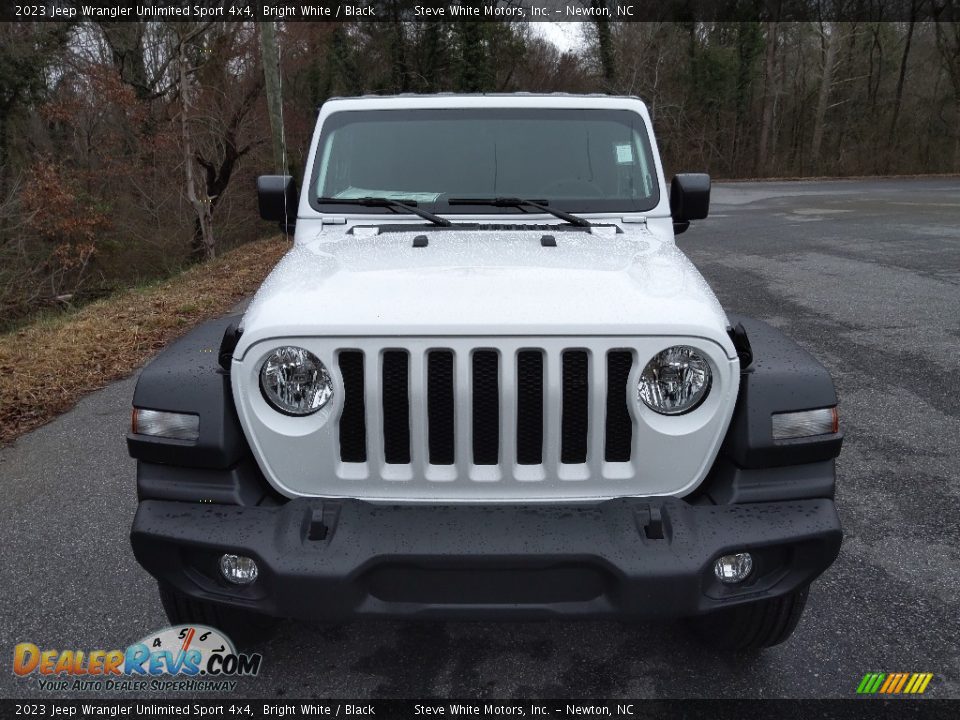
(485, 282)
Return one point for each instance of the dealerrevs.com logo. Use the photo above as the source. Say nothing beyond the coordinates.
(183, 657)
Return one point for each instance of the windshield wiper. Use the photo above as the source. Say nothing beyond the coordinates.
(521, 202)
(408, 205)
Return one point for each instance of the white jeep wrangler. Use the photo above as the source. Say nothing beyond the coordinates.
(486, 383)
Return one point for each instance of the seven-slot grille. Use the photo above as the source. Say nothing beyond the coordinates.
(481, 407)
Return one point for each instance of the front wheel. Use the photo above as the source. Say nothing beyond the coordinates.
(244, 627)
(752, 626)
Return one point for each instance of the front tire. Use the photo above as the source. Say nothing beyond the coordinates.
(752, 626)
(244, 627)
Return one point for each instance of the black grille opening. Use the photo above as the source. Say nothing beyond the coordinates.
(353, 424)
(396, 407)
(440, 406)
(486, 408)
(619, 428)
(573, 422)
(530, 407)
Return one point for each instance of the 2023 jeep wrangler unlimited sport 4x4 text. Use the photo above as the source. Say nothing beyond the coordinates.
(484, 382)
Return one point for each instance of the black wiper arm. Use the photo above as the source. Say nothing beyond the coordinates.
(408, 205)
(520, 202)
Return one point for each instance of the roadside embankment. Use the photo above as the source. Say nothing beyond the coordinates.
(47, 366)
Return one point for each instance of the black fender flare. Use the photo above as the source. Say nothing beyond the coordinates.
(187, 377)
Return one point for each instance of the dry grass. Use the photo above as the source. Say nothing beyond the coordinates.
(46, 367)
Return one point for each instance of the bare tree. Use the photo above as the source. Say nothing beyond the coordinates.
(831, 36)
(199, 200)
(271, 75)
(769, 96)
(898, 98)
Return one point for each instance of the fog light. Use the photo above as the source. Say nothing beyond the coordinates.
(238, 569)
(731, 569)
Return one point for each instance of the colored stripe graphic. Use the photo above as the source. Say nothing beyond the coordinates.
(900, 683)
(890, 682)
(894, 683)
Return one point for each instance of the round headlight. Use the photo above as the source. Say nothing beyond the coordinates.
(675, 380)
(295, 382)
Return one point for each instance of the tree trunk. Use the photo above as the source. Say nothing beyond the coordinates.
(204, 243)
(898, 98)
(747, 37)
(769, 98)
(271, 79)
(873, 84)
(826, 80)
(797, 155)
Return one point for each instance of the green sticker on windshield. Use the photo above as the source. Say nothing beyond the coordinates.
(624, 154)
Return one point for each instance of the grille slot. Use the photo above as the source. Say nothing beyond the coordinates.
(576, 396)
(353, 424)
(396, 407)
(619, 426)
(440, 407)
(529, 407)
(486, 408)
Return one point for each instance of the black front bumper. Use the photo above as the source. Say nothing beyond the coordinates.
(329, 560)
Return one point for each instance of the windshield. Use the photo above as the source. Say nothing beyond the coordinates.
(575, 160)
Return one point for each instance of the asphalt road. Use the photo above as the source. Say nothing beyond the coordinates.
(866, 275)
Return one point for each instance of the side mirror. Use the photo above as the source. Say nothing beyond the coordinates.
(278, 198)
(689, 199)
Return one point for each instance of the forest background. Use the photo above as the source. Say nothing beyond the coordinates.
(128, 151)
